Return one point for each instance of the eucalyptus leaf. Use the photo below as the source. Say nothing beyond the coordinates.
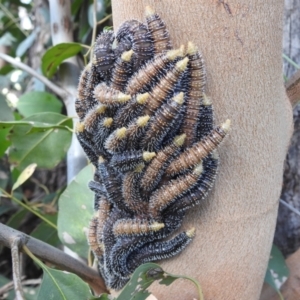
(26, 173)
(75, 212)
(38, 102)
(6, 113)
(46, 148)
(277, 271)
(62, 285)
(56, 55)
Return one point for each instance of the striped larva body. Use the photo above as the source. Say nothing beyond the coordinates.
(198, 151)
(157, 166)
(96, 247)
(167, 194)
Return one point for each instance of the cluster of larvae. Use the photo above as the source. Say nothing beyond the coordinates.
(148, 128)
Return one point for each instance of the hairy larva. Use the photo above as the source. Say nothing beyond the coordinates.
(162, 122)
(206, 118)
(157, 166)
(116, 142)
(158, 31)
(163, 197)
(96, 247)
(198, 151)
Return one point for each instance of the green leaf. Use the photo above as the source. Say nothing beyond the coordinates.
(38, 102)
(4, 142)
(17, 218)
(277, 271)
(26, 173)
(56, 55)
(76, 203)
(46, 148)
(62, 285)
(144, 276)
(6, 113)
(47, 233)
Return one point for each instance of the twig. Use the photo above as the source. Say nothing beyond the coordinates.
(297, 212)
(56, 89)
(104, 19)
(7, 287)
(15, 244)
(54, 256)
(293, 88)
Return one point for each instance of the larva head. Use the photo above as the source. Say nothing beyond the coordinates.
(173, 54)
(179, 98)
(123, 98)
(191, 232)
(79, 127)
(126, 56)
(107, 122)
(226, 125)
(179, 140)
(121, 133)
(149, 11)
(191, 49)
(142, 121)
(198, 169)
(142, 98)
(157, 226)
(101, 160)
(147, 156)
(182, 64)
(139, 168)
(206, 100)
(100, 109)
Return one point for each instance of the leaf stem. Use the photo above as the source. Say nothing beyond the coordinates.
(28, 208)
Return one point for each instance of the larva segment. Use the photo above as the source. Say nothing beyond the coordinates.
(136, 227)
(80, 105)
(93, 241)
(157, 166)
(196, 195)
(158, 31)
(86, 143)
(168, 193)
(116, 142)
(131, 192)
(198, 151)
(206, 118)
(135, 131)
(131, 110)
(128, 160)
(162, 122)
(103, 214)
(160, 249)
(109, 96)
(144, 76)
(165, 85)
(121, 71)
(104, 56)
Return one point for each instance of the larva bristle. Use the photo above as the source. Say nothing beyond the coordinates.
(122, 71)
(168, 193)
(131, 110)
(136, 227)
(165, 86)
(159, 250)
(162, 122)
(131, 192)
(157, 166)
(116, 141)
(158, 31)
(110, 96)
(96, 247)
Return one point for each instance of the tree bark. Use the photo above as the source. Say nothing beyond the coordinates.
(241, 42)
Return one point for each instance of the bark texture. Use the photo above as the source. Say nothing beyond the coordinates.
(241, 44)
(287, 235)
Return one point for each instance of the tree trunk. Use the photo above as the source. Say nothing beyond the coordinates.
(241, 42)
